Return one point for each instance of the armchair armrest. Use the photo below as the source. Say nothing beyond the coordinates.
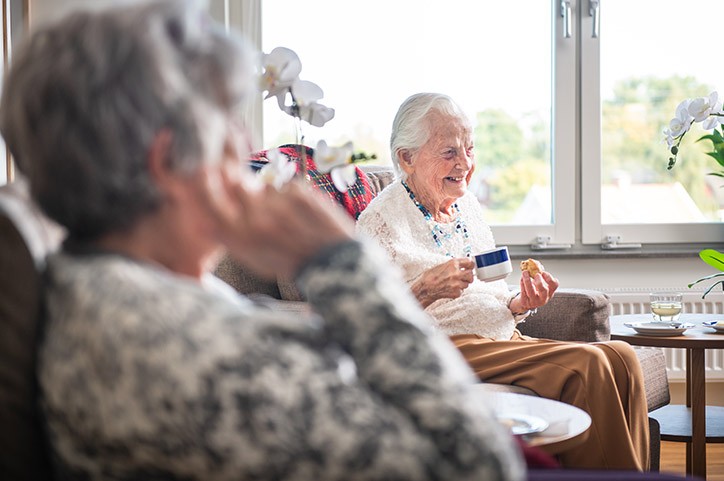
(571, 315)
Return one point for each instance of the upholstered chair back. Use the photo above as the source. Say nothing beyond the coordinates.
(26, 237)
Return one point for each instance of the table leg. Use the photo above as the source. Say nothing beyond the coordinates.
(688, 378)
(696, 389)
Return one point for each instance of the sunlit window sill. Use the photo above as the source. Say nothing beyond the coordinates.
(596, 252)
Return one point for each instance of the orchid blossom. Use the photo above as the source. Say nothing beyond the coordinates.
(278, 171)
(337, 161)
(281, 67)
(280, 79)
(708, 111)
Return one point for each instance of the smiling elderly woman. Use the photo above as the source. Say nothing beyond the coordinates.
(431, 225)
(152, 369)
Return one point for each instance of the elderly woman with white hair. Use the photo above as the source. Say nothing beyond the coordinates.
(152, 369)
(431, 226)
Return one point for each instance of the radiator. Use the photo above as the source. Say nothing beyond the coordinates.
(636, 301)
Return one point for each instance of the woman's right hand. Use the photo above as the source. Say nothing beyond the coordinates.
(273, 232)
(444, 281)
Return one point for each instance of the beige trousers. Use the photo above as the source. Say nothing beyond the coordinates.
(604, 379)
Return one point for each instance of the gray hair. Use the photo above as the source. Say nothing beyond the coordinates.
(411, 128)
(86, 96)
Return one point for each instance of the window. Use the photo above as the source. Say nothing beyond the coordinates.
(634, 75)
(369, 56)
(568, 122)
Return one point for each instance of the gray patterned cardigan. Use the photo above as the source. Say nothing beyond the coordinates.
(148, 375)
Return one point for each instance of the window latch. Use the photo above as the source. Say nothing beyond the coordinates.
(593, 7)
(542, 243)
(614, 242)
(567, 21)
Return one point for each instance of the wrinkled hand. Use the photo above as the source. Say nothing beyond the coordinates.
(272, 232)
(444, 281)
(534, 291)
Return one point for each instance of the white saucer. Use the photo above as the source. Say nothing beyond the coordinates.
(520, 424)
(713, 324)
(659, 328)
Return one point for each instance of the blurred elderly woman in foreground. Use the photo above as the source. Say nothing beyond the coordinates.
(431, 226)
(151, 368)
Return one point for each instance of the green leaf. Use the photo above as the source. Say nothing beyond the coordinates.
(716, 156)
(713, 257)
(714, 139)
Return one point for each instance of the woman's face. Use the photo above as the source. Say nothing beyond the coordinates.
(440, 170)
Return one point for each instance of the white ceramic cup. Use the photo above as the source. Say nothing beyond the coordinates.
(493, 264)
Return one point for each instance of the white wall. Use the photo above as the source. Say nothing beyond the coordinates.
(628, 272)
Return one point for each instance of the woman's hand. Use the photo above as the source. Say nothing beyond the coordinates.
(444, 281)
(534, 291)
(273, 232)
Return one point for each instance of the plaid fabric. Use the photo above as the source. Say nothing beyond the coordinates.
(354, 201)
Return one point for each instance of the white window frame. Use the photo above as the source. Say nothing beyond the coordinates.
(563, 144)
(592, 230)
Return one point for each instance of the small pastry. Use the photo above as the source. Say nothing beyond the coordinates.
(532, 266)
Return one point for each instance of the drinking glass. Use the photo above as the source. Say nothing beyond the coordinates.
(666, 306)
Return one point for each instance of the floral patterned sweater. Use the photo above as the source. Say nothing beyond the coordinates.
(395, 223)
(148, 375)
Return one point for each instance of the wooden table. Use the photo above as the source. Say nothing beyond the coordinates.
(695, 423)
(568, 425)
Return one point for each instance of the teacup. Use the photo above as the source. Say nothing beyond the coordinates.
(666, 306)
(493, 264)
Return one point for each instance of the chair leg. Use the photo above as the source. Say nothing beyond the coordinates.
(654, 445)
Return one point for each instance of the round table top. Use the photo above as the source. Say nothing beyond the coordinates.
(567, 425)
(697, 337)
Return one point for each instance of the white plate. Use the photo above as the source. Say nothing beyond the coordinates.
(713, 324)
(659, 328)
(521, 424)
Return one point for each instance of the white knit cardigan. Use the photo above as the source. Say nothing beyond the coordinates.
(395, 222)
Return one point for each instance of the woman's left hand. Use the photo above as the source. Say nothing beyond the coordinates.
(534, 291)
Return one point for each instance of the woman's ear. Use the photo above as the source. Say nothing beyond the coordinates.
(404, 158)
(159, 163)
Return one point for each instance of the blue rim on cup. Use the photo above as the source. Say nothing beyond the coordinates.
(493, 264)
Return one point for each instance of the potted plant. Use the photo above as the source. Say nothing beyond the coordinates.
(708, 111)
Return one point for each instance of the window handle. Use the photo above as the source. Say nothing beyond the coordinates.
(614, 242)
(593, 6)
(543, 243)
(566, 14)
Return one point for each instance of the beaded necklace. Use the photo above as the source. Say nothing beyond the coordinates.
(439, 235)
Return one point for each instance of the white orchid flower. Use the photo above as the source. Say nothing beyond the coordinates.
(327, 157)
(681, 123)
(700, 108)
(278, 171)
(306, 92)
(678, 127)
(716, 116)
(303, 93)
(670, 140)
(316, 114)
(281, 68)
(344, 177)
(338, 162)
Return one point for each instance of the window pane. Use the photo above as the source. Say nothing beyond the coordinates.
(647, 67)
(369, 56)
